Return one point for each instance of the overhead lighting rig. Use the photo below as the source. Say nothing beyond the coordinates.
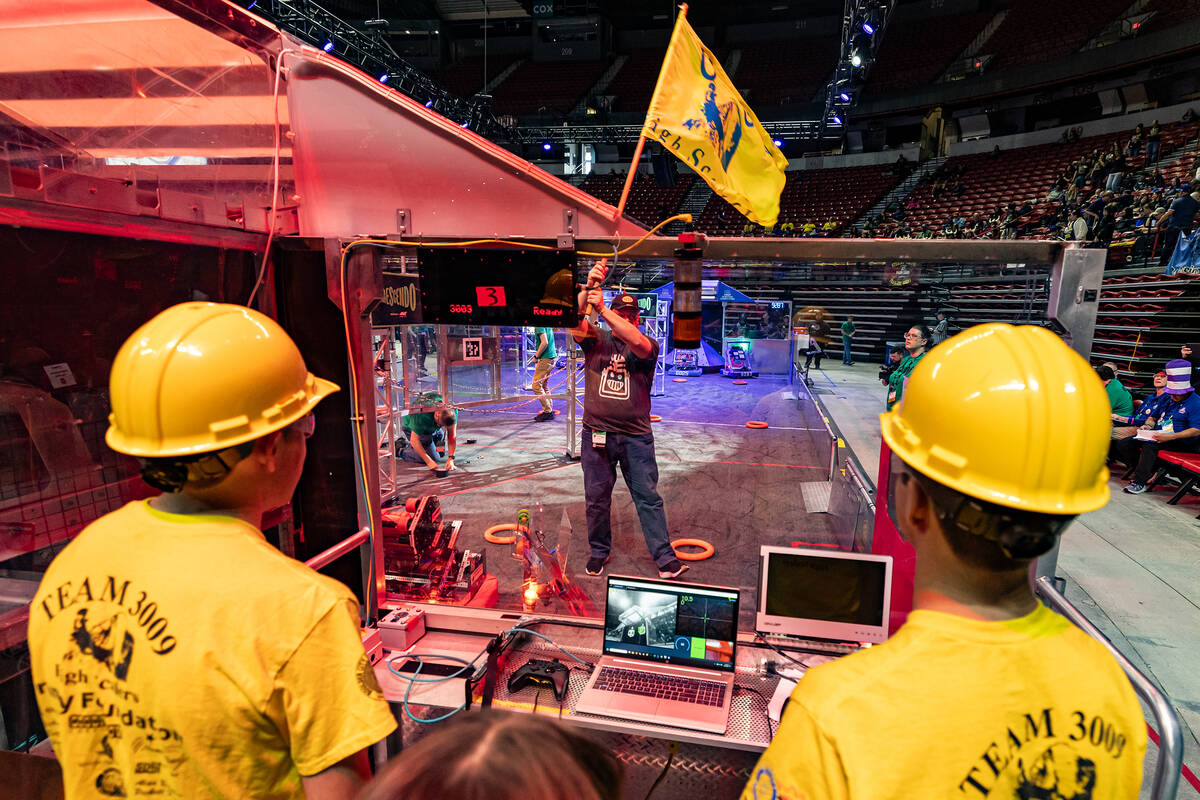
(863, 25)
(370, 52)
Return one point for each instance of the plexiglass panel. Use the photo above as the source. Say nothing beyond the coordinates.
(119, 105)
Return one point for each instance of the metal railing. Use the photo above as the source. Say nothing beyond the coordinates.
(1170, 756)
(340, 549)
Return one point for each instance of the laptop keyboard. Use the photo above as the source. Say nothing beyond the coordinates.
(666, 687)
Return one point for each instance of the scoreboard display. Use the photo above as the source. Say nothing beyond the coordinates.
(508, 287)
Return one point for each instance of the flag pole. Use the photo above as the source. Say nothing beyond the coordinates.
(641, 142)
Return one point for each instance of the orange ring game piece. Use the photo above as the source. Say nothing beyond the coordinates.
(679, 380)
(706, 549)
(757, 424)
(655, 418)
(489, 534)
(739, 383)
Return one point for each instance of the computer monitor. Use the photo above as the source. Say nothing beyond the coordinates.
(823, 594)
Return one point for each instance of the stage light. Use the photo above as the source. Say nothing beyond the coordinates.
(465, 124)
(835, 119)
(328, 47)
(868, 28)
(383, 78)
(546, 146)
(429, 104)
(855, 60)
(778, 142)
(844, 97)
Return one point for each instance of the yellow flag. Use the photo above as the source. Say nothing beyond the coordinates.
(697, 114)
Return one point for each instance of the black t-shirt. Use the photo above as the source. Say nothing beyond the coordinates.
(1183, 213)
(617, 385)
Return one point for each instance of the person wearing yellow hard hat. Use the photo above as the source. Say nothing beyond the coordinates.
(174, 651)
(984, 692)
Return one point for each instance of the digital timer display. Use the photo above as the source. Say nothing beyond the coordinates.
(508, 287)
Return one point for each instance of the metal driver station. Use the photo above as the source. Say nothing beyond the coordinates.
(405, 255)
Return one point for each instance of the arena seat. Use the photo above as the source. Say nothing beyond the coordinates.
(1142, 321)
(1189, 465)
(465, 79)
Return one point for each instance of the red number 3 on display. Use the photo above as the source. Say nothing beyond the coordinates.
(490, 296)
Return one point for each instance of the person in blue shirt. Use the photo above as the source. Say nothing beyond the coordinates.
(1176, 429)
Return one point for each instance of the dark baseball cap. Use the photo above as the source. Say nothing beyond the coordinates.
(624, 301)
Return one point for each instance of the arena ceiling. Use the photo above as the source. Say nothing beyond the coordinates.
(623, 13)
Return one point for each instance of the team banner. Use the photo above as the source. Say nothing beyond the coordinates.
(698, 115)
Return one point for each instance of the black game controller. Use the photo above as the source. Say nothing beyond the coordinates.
(541, 673)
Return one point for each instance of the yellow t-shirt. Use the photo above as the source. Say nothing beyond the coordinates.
(183, 656)
(952, 707)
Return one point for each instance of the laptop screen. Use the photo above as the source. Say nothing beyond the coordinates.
(675, 623)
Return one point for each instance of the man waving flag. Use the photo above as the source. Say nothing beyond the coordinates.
(697, 114)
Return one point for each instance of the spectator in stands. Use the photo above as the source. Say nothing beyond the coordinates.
(1119, 397)
(1189, 116)
(1116, 172)
(895, 356)
(1105, 228)
(1177, 430)
(1152, 141)
(1152, 406)
(940, 330)
(1077, 226)
(917, 340)
(848, 331)
(984, 691)
(474, 757)
(1178, 219)
(1136, 140)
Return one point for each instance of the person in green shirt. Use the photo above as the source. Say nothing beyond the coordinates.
(431, 435)
(847, 335)
(916, 344)
(1118, 396)
(544, 356)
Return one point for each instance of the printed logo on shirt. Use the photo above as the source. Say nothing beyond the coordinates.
(367, 681)
(614, 380)
(1047, 755)
(107, 628)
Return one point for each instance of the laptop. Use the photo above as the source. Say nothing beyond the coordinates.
(825, 601)
(669, 654)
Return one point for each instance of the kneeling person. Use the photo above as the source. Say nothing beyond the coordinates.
(430, 436)
(984, 692)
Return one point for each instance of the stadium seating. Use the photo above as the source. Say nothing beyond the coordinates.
(782, 72)
(634, 84)
(813, 196)
(1142, 321)
(1045, 30)
(917, 52)
(648, 202)
(547, 87)
(466, 78)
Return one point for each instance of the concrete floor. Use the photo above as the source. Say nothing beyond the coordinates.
(1131, 567)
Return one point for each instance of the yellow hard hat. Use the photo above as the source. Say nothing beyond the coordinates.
(1008, 415)
(202, 377)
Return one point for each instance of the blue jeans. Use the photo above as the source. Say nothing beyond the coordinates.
(846, 357)
(428, 441)
(635, 454)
